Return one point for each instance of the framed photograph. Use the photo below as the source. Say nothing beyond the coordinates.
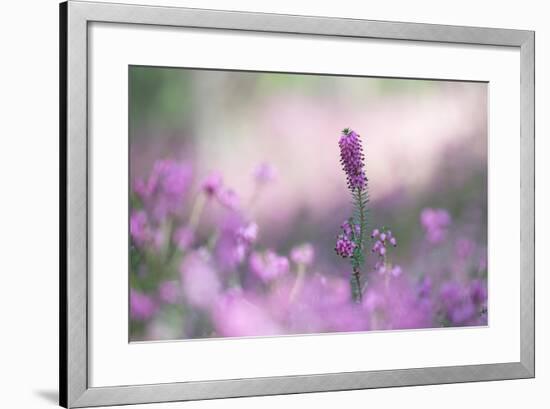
(259, 204)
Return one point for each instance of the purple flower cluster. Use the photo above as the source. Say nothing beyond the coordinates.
(435, 223)
(214, 188)
(394, 304)
(212, 184)
(142, 306)
(464, 304)
(352, 159)
(344, 246)
(199, 279)
(383, 239)
(303, 254)
(163, 191)
(268, 265)
(139, 228)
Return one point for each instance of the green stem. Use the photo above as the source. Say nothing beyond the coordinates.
(357, 291)
(362, 220)
(356, 286)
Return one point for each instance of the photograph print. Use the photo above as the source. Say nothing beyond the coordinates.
(273, 204)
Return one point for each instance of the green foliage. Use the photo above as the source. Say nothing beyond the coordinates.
(161, 95)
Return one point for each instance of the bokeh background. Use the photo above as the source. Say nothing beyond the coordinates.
(269, 143)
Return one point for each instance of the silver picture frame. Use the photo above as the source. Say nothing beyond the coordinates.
(75, 17)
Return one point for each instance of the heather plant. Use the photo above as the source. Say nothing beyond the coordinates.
(350, 244)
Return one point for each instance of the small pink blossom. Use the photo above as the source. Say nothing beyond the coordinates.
(200, 283)
(268, 265)
(229, 199)
(212, 184)
(303, 254)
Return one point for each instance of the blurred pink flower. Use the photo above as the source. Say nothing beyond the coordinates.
(139, 229)
(394, 304)
(142, 306)
(268, 265)
(435, 223)
(238, 314)
(184, 237)
(163, 191)
(303, 254)
(464, 305)
(169, 292)
(200, 283)
(247, 234)
(212, 184)
(229, 199)
(229, 252)
(323, 304)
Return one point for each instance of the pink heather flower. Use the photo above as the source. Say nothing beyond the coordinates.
(200, 283)
(347, 227)
(227, 250)
(382, 237)
(344, 246)
(396, 271)
(184, 237)
(169, 292)
(238, 314)
(377, 246)
(264, 173)
(268, 265)
(212, 184)
(229, 199)
(142, 306)
(163, 191)
(351, 158)
(247, 234)
(303, 254)
(382, 250)
(174, 178)
(397, 302)
(167, 177)
(139, 230)
(393, 241)
(435, 223)
(375, 233)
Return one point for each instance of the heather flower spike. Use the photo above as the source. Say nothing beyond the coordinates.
(350, 244)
